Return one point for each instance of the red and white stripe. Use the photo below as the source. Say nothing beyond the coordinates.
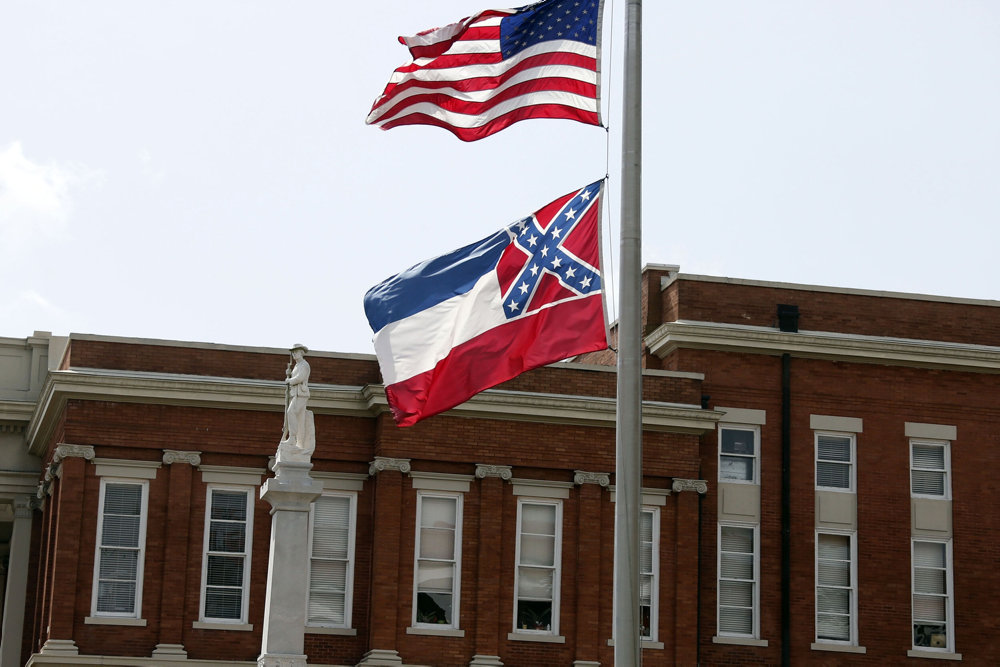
(459, 81)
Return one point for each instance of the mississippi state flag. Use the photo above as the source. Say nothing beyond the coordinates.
(527, 296)
(485, 72)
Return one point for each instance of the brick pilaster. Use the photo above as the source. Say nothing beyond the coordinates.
(687, 492)
(588, 566)
(488, 577)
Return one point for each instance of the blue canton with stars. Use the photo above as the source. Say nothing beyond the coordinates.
(546, 254)
(548, 20)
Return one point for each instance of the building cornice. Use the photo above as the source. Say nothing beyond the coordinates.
(364, 401)
(824, 345)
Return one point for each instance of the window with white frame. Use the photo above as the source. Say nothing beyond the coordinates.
(120, 550)
(932, 599)
(226, 562)
(836, 588)
(649, 571)
(738, 454)
(738, 578)
(835, 461)
(437, 554)
(930, 463)
(331, 560)
(536, 581)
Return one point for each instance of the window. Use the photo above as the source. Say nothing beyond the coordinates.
(536, 584)
(836, 592)
(930, 461)
(226, 564)
(738, 454)
(121, 544)
(331, 561)
(649, 571)
(835, 461)
(932, 601)
(738, 573)
(438, 557)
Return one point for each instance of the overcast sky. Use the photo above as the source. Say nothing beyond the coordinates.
(200, 170)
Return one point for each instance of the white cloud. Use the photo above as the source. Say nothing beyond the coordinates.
(36, 199)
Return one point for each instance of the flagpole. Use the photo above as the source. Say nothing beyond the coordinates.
(628, 470)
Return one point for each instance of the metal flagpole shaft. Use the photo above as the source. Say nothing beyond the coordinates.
(629, 420)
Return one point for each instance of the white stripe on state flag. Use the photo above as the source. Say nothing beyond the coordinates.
(417, 343)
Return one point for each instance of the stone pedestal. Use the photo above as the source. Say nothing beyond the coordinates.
(290, 492)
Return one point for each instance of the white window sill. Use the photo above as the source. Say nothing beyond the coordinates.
(533, 637)
(115, 620)
(437, 632)
(837, 648)
(320, 630)
(644, 644)
(739, 641)
(933, 655)
(208, 625)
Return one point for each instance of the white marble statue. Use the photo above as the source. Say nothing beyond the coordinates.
(298, 440)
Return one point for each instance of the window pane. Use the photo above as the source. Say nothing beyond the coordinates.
(437, 512)
(736, 468)
(223, 603)
(927, 482)
(119, 564)
(736, 621)
(123, 499)
(437, 543)
(930, 635)
(928, 457)
(929, 554)
(434, 608)
(929, 581)
(326, 608)
(225, 536)
(534, 582)
(225, 571)
(331, 527)
(120, 531)
(930, 608)
(534, 615)
(116, 597)
(327, 576)
(834, 573)
(835, 627)
(737, 566)
(433, 576)
(736, 593)
(833, 448)
(737, 441)
(737, 539)
(834, 546)
(833, 475)
(830, 600)
(538, 550)
(229, 505)
(538, 519)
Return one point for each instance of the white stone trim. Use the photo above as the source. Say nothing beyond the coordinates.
(114, 620)
(649, 496)
(171, 456)
(72, 451)
(526, 637)
(126, 468)
(323, 630)
(447, 632)
(824, 345)
(699, 486)
(933, 655)
(581, 477)
(340, 481)
(930, 431)
(231, 475)
(441, 481)
(833, 423)
(743, 416)
(739, 641)
(484, 470)
(837, 648)
(386, 463)
(206, 625)
(541, 488)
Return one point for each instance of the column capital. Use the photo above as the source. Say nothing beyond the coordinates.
(171, 456)
(73, 451)
(700, 486)
(24, 506)
(385, 463)
(581, 477)
(484, 470)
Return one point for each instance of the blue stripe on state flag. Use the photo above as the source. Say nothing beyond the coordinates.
(433, 281)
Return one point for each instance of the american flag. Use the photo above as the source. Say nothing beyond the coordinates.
(490, 70)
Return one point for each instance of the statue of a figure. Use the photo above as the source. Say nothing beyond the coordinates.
(299, 437)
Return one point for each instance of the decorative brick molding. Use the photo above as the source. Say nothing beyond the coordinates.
(484, 470)
(697, 485)
(601, 478)
(171, 456)
(385, 463)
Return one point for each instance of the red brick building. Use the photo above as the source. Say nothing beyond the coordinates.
(817, 485)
